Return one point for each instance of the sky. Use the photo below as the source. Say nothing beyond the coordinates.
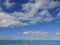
(29, 19)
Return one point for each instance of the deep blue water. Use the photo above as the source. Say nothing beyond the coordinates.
(28, 42)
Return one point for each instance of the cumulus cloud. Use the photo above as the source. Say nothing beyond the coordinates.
(7, 20)
(31, 14)
(46, 15)
(8, 4)
(41, 4)
(37, 33)
(31, 18)
(44, 5)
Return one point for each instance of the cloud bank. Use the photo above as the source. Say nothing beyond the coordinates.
(32, 13)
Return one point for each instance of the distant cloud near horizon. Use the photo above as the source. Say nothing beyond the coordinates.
(34, 33)
(37, 33)
(58, 34)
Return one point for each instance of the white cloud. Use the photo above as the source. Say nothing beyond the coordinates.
(16, 18)
(34, 33)
(47, 15)
(58, 33)
(27, 7)
(41, 4)
(8, 4)
(58, 15)
(7, 20)
(37, 33)
(32, 18)
(31, 15)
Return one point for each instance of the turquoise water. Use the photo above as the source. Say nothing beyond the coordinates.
(28, 42)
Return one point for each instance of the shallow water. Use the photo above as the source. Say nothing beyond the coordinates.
(28, 42)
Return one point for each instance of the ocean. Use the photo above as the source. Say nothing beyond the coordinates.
(29, 42)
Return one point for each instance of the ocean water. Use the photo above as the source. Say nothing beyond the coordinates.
(28, 42)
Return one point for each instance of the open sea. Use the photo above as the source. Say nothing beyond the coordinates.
(28, 42)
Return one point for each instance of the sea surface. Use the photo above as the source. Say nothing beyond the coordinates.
(28, 42)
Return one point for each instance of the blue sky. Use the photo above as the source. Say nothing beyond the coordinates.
(29, 19)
